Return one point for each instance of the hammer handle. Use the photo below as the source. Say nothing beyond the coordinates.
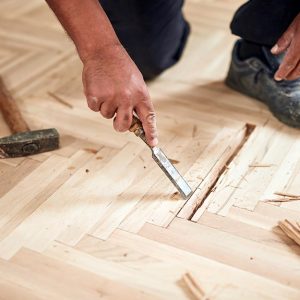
(10, 111)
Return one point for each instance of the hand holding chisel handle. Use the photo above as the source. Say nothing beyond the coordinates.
(137, 128)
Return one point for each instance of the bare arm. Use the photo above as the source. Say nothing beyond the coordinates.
(112, 83)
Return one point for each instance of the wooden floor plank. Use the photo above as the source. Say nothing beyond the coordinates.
(230, 249)
(98, 219)
(75, 284)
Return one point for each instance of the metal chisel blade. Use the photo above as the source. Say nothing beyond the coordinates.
(163, 162)
(171, 172)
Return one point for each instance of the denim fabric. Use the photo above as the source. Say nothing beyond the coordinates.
(154, 32)
(263, 21)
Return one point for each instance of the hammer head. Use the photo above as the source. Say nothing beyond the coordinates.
(29, 143)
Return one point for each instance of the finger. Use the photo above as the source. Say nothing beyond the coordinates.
(295, 74)
(285, 40)
(94, 103)
(108, 109)
(288, 64)
(145, 111)
(123, 119)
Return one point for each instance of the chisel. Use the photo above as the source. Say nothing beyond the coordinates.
(163, 162)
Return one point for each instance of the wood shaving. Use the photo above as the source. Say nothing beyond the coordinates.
(291, 229)
(91, 150)
(282, 200)
(286, 195)
(260, 166)
(174, 161)
(60, 100)
(193, 286)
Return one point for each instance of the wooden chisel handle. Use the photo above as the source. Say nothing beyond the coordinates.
(10, 111)
(137, 128)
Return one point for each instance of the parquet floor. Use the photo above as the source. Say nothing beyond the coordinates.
(98, 220)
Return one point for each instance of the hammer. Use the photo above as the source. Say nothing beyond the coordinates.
(22, 142)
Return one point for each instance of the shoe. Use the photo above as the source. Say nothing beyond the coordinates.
(254, 78)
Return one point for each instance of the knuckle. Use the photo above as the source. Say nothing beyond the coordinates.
(125, 94)
(288, 67)
(151, 118)
(143, 93)
(107, 114)
(93, 103)
(122, 124)
(126, 118)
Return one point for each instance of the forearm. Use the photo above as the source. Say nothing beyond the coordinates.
(87, 25)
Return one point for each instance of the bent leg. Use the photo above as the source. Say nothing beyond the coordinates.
(154, 32)
(264, 21)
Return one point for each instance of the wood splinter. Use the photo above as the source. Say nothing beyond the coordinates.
(282, 200)
(260, 166)
(286, 197)
(193, 287)
(291, 229)
(60, 100)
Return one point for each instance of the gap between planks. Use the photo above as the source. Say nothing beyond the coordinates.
(208, 183)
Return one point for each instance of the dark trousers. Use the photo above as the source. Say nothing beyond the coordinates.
(154, 32)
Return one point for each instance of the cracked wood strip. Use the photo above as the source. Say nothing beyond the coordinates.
(222, 197)
(283, 145)
(208, 166)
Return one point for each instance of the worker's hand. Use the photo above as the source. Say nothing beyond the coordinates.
(289, 42)
(115, 87)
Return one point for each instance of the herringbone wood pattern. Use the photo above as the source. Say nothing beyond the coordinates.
(97, 219)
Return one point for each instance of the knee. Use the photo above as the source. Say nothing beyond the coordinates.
(153, 56)
(151, 63)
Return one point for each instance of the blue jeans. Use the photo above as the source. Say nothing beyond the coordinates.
(154, 32)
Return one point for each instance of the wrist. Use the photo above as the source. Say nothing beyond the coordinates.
(93, 52)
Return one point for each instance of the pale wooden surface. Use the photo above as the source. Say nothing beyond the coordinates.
(97, 219)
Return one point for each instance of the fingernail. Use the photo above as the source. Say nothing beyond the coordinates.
(154, 142)
(277, 78)
(274, 49)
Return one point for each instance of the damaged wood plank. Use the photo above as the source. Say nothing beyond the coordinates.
(206, 170)
(234, 186)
